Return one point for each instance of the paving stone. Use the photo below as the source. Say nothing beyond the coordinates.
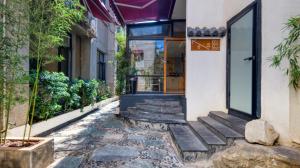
(157, 154)
(113, 124)
(138, 164)
(111, 138)
(137, 138)
(68, 162)
(113, 153)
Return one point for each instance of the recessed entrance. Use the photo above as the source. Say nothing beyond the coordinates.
(174, 67)
(157, 57)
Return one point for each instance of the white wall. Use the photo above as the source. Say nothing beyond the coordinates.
(277, 103)
(205, 71)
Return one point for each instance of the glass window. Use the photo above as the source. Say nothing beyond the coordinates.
(101, 65)
(147, 60)
(179, 29)
(153, 30)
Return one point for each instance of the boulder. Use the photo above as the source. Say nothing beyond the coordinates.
(261, 132)
(256, 156)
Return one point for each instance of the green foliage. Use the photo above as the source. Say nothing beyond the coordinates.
(74, 101)
(88, 92)
(103, 91)
(289, 49)
(49, 24)
(123, 65)
(53, 91)
(56, 94)
(13, 38)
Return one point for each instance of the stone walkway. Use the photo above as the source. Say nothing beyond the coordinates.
(103, 140)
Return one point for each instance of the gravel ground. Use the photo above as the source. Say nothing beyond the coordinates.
(103, 140)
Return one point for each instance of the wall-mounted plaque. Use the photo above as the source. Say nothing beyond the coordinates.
(206, 44)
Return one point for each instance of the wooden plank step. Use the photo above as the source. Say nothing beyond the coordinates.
(231, 121)
(206, 135)
(221, 130)
(188, 144)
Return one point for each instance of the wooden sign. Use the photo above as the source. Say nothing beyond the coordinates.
(206, 44)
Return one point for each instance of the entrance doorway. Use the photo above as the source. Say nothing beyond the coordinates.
(243, 63)
(174, 66)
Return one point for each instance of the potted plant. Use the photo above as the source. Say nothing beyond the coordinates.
(42, 25)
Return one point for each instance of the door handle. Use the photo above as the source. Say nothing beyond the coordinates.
(249, 58)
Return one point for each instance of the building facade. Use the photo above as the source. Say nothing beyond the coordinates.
(225, 61)
(230, 83)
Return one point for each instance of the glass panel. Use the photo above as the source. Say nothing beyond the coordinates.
(179, 29)
(154, 30)
(175, 69)
(147, 60)
(241, 67)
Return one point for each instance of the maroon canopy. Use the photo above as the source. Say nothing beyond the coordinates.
(98, 9)
(132, 11)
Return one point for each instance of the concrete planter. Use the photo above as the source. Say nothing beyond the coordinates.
(39, 155)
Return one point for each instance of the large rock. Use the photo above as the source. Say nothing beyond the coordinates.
(245, 155)
(261, 132)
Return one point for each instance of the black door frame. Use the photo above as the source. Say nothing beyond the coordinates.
(256, 74)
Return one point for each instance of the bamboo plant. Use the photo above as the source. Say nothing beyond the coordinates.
(289, 49)
(50, 23)
(42, 25)
(13, 38)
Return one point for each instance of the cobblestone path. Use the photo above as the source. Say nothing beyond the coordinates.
(103, 140)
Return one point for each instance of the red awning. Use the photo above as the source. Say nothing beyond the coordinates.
(98, 9)
(133, 11)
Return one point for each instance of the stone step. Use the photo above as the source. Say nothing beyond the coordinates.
(150, 112)
(158, 109)
(225, 133)
(188, 144)
(162, 102)
(214, 142)
(231, 121)
(155, 118)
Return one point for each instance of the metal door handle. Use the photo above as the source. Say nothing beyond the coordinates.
(249, 58)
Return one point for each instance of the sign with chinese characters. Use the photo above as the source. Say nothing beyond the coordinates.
(206, 44)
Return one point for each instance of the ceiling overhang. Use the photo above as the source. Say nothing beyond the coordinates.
(98, 9)
(135, 11)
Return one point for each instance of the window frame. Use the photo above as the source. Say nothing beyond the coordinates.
(101, 65)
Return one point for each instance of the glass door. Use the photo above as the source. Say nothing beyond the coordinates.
(174, 67)
(241, 46)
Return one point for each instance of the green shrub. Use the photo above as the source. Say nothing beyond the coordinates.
(88, 92)
(53, 91)
(104, 91)
(56, 94)
(74, 101)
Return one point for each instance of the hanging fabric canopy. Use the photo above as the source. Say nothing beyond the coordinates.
(98, 9)
(133, 11)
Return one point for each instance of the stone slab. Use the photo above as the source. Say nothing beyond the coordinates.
(220, 128)
(233, 122)
(68, 162)
(114, 153)
(206, 135)
(186, 140)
